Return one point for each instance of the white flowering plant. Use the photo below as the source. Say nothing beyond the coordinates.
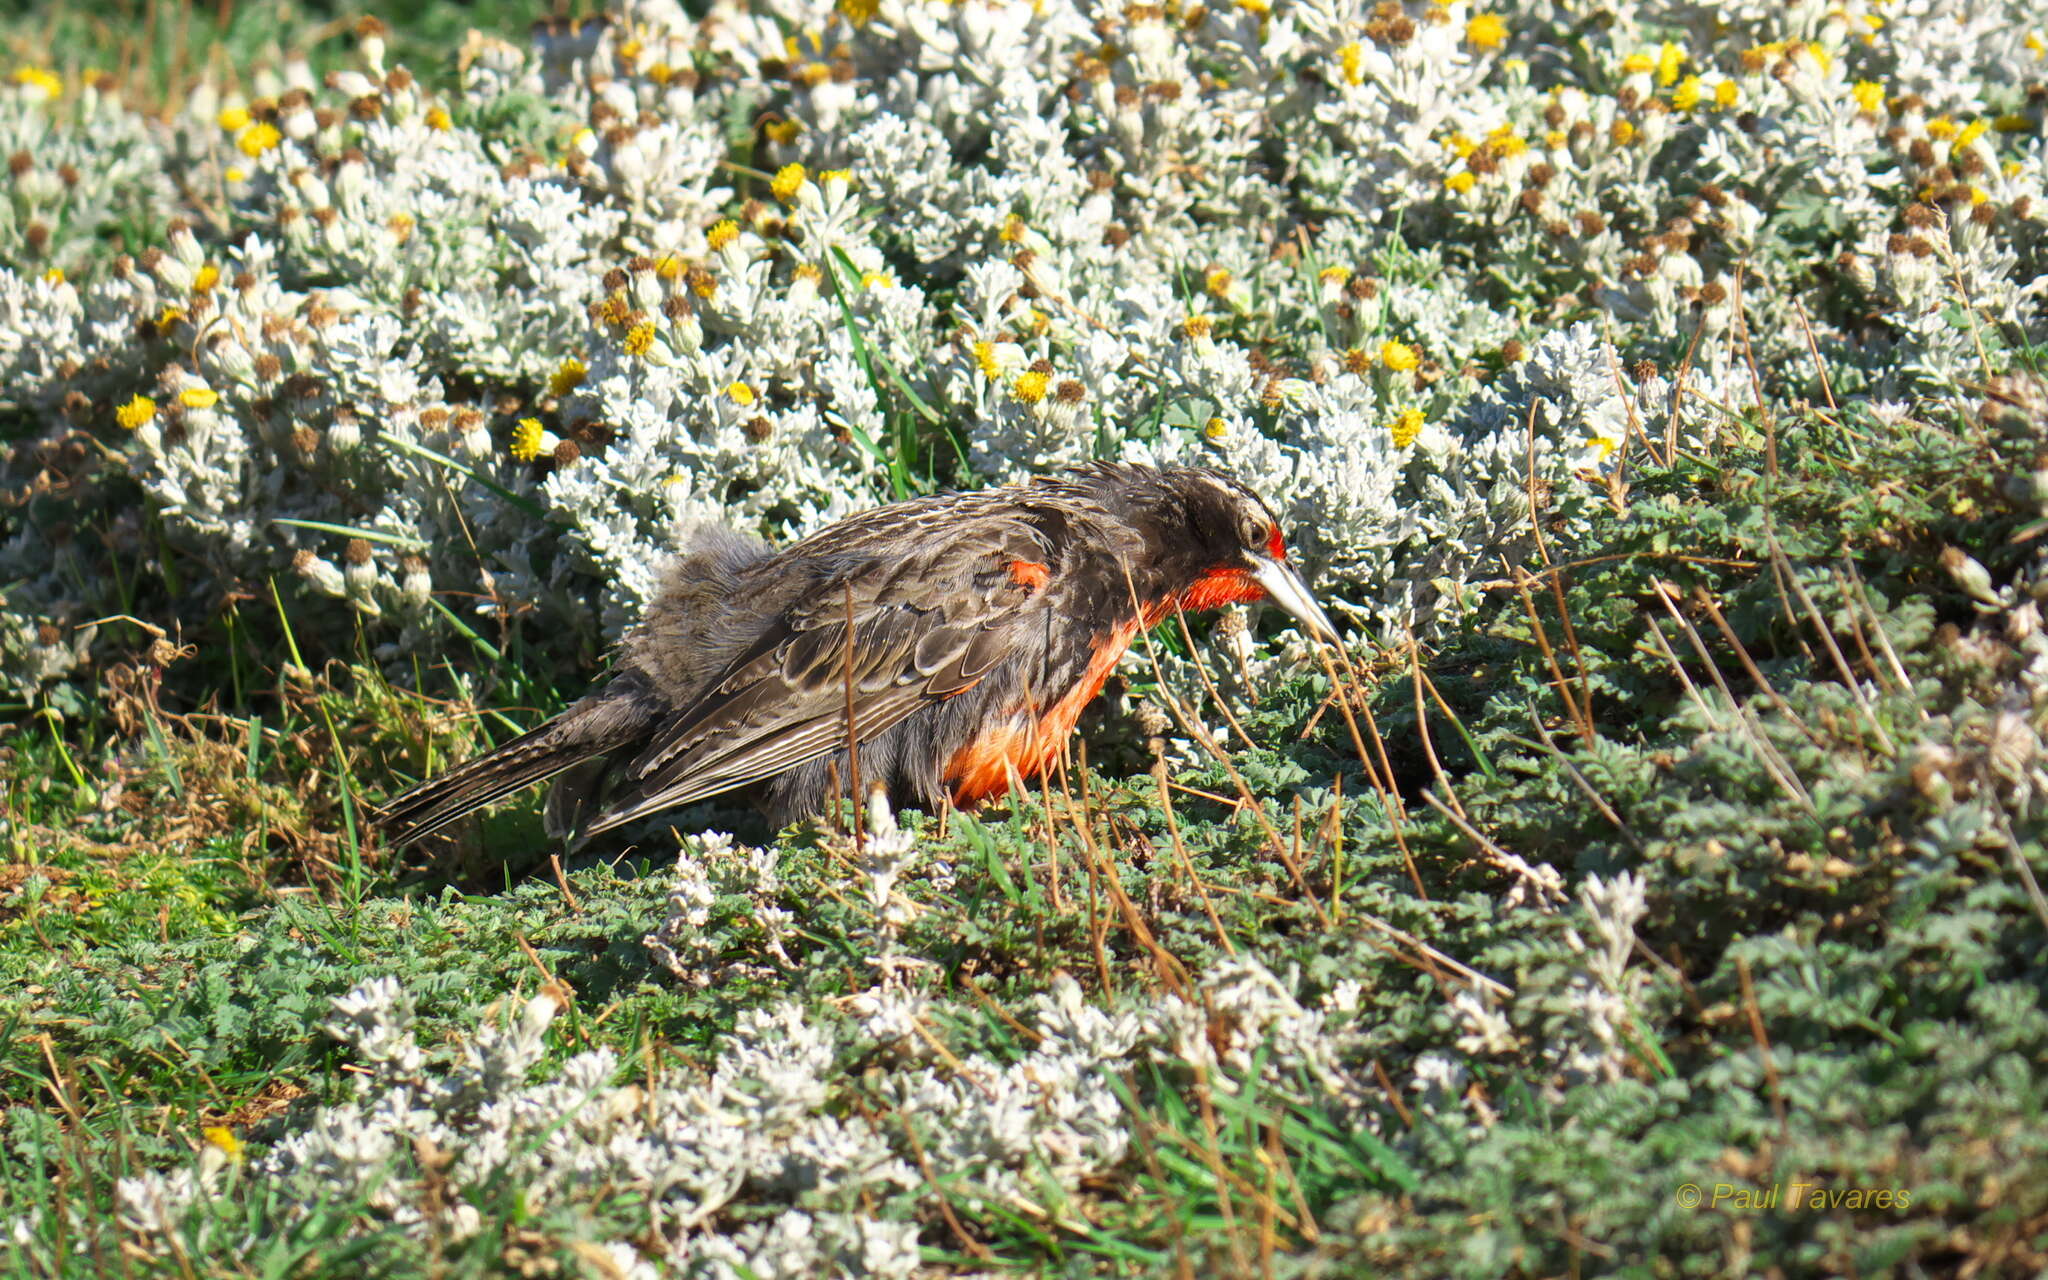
(486, 346)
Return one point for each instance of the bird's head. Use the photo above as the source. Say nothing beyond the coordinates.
(1233, 551)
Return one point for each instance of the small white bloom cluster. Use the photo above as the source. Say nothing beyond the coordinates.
(1603, 997)
(708, 866)
(778, 1158)
(1407, 267)
(758, 1167)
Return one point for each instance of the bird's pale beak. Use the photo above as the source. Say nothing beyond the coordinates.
(1288, 591)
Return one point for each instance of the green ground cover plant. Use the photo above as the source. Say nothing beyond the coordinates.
(1650, 885)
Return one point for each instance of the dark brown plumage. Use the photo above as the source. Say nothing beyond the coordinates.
(982, 624)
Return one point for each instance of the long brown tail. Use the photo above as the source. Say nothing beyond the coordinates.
(600, 723)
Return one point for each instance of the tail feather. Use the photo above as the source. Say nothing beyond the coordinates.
(576, 794)
(527, 759)
(579, 736)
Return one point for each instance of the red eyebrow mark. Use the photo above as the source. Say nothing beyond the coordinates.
(1276, 546)
(1029, 574)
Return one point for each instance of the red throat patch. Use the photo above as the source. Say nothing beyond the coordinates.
(1219, 587)
(1029, 574)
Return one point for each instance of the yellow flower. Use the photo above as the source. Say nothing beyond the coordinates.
(1505, 142)
(1348, 60)
(640, 338)
(1217, 281)
(741, 394)
(1399, 356)
(2035, 45)
(49, 82)
(1462, 181)
(789, 180)
(1030, 387)
(199, 397)
(1013, 230)
(232, 119)
(258, 138)
(1869, 95)
(1604, 445)
(205, 278)
(1335, 277)
(783, 132)
(722, 234)
(526, 440)
(1197, 326)
(1406, 425)
(1971, 132)
(1821, 55)
(1726, 95)
(219, 1135)
(1257, 8)
(1670, 58)
(1638, 64)
(1687, 95)
(1758, 57)
(167, 320)
(858, 12)
(1460, 146)
(235, 173)
(836, 175)
(55, 275)
(1941, 127)
(876, 279)
(985, 360)
(1486, 31)
(668, 266)
(567, 377)
(1215, 428)
(136, 412)
(438, 120)
(1557, 139)
(1622, 132)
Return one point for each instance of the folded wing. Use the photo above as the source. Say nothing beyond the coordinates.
(918, 636)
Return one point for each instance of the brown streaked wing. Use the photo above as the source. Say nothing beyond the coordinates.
(787, 705)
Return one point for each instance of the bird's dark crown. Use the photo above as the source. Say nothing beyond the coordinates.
(1199, 520)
